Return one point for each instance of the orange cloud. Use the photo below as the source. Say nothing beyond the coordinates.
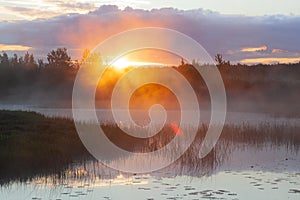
(254, 49)
(9, 47)
(95, 30)
(279, 51)
(270, 60)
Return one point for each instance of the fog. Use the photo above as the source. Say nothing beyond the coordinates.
(269, 89)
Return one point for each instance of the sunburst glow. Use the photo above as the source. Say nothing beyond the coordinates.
(124, 62)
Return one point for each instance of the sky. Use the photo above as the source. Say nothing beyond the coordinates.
(245, 31)
(32, 9)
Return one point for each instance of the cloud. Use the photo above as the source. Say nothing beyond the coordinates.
(270, 60)
(277, 51)
(72, 6)
(45, 9)
(253, 49)
(11, 47)
(32, 13)
(225, 34)
(49, 8)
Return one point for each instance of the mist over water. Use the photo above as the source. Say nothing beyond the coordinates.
(261, 89)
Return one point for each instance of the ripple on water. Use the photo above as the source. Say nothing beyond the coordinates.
(295, 191)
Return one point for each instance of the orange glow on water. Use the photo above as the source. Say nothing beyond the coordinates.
(176, 129)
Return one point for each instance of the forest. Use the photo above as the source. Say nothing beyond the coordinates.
(272, 89)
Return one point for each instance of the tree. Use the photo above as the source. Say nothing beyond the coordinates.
(32, 63)
(41, 63)
(26, 58)
(220, 61)
(4, 61)
(85, 54)
(21, 61)
(29, 61)
(89, 57)
(15, 61)
(59, 58)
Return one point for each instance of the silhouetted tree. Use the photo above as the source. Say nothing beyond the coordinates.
(4, 61)
(15, 61)
(92, 58)
(220, 61)
(29, 61)
(26, 58)
(85, 54)
(41, 63)
(21, 61)
(59, 58)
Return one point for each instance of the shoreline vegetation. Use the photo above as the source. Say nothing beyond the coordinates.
(32, 145)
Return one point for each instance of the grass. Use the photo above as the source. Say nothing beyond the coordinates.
(32, 145)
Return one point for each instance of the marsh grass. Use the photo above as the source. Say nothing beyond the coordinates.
(34, 146)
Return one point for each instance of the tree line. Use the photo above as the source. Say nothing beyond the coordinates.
(56, 58)
(263, 88)
(61, 58)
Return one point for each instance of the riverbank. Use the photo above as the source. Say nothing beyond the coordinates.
(32, 144)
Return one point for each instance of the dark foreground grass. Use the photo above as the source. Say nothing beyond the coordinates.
(32, 145)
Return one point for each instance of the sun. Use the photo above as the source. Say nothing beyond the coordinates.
(122, 63)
